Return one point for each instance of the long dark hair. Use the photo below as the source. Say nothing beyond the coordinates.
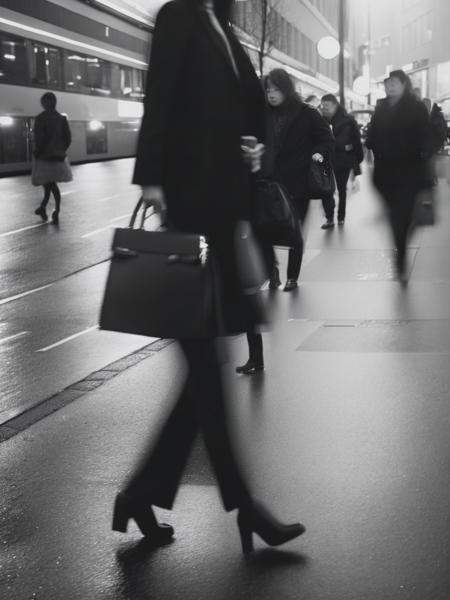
(283, 81)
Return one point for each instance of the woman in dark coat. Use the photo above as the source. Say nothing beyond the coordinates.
(52, 138)
(297, 134)
(399, 137)
(202, 95)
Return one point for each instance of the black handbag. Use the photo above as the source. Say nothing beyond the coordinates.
(274, 217)
(321, 181)
(160, 284)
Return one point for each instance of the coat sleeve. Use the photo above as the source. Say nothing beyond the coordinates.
(67, 135)
(39, 137)
(323, 139)
(356, 141)
(169, 46)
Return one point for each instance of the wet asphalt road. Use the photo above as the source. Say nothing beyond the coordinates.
(51, 283)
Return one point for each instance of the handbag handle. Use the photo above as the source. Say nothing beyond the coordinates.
(144, 215)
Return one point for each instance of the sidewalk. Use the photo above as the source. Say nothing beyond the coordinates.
(347, 430)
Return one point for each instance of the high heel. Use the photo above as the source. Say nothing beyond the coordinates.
(255, 518)
(125, 508)
(246, 535)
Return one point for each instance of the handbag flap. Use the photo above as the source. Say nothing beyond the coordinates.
(157, 242)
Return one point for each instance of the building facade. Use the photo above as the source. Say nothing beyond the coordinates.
(412, 35)
(293, 29)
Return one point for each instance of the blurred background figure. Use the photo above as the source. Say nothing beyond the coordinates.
(202, 95)
(438, 135)
(399, 136)
(52, 138)
(297, 134)
(348, 155)
(313, 101)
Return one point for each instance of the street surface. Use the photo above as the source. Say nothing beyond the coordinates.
(346, 430)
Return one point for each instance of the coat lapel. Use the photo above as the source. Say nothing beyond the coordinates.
(216, 39)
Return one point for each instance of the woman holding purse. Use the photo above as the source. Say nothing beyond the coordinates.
(202, 95)
(296, 134)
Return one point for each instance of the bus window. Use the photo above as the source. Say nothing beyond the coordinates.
(14, 140)
(46, 66)
(13, 60)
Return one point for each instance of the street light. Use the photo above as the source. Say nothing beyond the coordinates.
(329, 47)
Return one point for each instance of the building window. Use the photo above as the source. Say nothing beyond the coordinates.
(13, 60)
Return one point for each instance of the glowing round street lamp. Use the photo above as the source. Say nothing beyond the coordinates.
(361, 85)
(328, 47)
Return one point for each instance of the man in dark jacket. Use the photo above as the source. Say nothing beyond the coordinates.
(348, 154)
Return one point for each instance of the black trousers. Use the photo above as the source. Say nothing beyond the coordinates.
(400, 202)
(328, 202)
(52, 188)
(301, 204)
(200, 407)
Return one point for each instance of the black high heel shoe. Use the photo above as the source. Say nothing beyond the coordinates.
(257, 519)
(125, 509)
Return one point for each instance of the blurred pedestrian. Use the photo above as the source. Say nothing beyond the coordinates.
(314, 102)
(399, 136)
(348, 155)
(297, 134)
(50, 166)
(438, 136)
(202, 95)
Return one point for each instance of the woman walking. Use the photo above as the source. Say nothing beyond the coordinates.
(202, 95)
(297, 134)
(52, 138)
(399, 137)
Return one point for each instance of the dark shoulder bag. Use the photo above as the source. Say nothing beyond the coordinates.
(274, 217)
(321, 181)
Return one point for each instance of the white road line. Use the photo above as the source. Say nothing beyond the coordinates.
(7, 233)
(23, 294)
(86, 235)
(14, 337)
(67, 339)
(109, 198)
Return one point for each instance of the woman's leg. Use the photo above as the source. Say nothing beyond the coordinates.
(301, 205)
(56, 196)
(47, 191)
(157, 477)
(201, 404)
(205, 370)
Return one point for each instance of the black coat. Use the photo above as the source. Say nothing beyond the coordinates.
(399, 137)
(304, 133)
(195, 111)
(52, 135)
(346, 133)
(439, 132)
